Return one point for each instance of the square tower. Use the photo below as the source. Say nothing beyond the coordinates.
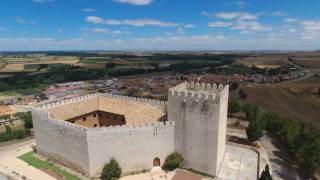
(200, 115)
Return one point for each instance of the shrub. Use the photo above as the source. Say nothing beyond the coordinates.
(234, 86)
(111, 170)
(242, 94)
(234, 107)
(173, 161)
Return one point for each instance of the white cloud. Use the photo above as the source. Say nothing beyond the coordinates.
(60, 30)
(198, 42)
(100, 30)
(311, 30)
(136, 22)
(180, 30)
(279, 13)
(95, 30)
(88, 10)
(311, 25)
(95, 20)
(189, 26)
(251, 26)
(241, 3)
(42, 1)
(233, 15)
(24, 21)
(103, 31)
(117, 32)
(291, 20)
(135, 2)
(220, 24)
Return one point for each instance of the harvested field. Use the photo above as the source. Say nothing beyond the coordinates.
(273, 62)
(13, 68)
(311, 63)
(305, 107)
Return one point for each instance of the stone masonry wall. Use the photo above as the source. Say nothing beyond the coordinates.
(135, 147)
(88, 149)
(61, 141)
(199, 112)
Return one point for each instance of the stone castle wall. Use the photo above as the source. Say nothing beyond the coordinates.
(199, 111)
(61, 141)
(196, 128)
(88, 149)
(134, 147)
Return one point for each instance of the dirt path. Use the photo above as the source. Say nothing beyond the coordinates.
(15, 168)
(282, 165)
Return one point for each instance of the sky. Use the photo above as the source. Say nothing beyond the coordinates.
(27, 25)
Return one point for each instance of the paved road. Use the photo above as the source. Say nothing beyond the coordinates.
(308, 74)
(281, 163)
(15, 144)
(3, 176)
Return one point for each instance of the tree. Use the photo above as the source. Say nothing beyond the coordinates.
(5, 117)
(43, 96)
(234, 107)
(111, 170)
(234, 86)
(265, 175)
(4, 86)
(242, 94)
(309, 154)
(248, 108)
(255, 129)
(27, 119)
(173, 161)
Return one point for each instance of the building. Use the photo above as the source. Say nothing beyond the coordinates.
(86, 132)
(58, 91)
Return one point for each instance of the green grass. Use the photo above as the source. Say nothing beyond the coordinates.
(93, 60)
(40, 164)
(21, 92)
(16, 93)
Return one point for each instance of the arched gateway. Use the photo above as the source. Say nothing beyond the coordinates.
(156, 162)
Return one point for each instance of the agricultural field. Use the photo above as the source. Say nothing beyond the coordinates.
(294, 100)
(310, 63)
(262, 61)
(27, 64)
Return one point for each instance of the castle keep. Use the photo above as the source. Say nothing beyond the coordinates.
(86, 132)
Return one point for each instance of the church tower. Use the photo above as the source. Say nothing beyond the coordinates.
(200, 115)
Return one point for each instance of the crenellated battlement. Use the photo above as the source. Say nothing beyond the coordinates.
(201, 91)
(65, 101)
(160, 104)
(43, 115)
(153, 102)
(127, 128)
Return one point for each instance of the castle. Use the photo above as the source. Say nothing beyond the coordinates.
(84, 133)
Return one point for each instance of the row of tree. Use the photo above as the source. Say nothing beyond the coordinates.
(301, 141)
(67, 74)
(19, 133)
